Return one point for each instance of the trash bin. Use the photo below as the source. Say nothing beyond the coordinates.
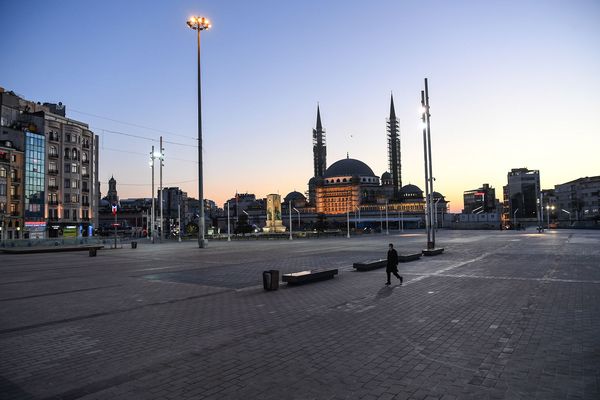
(134, 245)
(271, 279)
(93, 252)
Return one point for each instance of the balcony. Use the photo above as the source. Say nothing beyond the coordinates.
(85, 190)
(85, 204)
(86, 146)
(86, 161)
(15, 214)
(53, 138)
(53, 202)
(53, 171)
(15, 197)
(67, 157)
(52, 187)
(86, 175)
(15, 180)
(52, 155)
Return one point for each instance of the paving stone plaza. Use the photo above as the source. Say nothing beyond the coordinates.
(512, 315)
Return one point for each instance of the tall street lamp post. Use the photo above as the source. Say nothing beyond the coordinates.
(228, 225)
(199, 24)
(548, 208)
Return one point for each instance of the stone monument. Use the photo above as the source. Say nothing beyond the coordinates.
(274, 223)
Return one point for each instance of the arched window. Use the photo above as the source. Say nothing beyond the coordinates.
(344, 180)
(338, 181)
(2, 172)
(84, 156)
(74, 154)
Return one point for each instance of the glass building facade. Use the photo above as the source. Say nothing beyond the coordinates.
(34, 176)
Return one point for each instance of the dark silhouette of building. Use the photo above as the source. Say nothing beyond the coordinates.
(521, 195)
(482, 200)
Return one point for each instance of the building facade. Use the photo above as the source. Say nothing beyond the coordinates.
(578, 200)
(521, 196)
(55, 170)
(481, 200)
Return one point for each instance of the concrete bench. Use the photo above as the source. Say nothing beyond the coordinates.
(369, 265)
(409, 257)
(52, 249)
(313, 275)
(433, 252)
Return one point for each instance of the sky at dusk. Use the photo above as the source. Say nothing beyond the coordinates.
(512, 84)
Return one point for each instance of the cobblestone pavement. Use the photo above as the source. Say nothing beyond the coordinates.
(511, 315)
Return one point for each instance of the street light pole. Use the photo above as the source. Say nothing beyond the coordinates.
(152, 217)
(387, 224)
(162, 224)
(199, 24)
(228, 225)
(298, 217)
(515, 217)
(179, 217)
(425, 153)
(402, 220)
(347, 222)
(290, 217)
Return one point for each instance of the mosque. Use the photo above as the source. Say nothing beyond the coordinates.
(349, 185)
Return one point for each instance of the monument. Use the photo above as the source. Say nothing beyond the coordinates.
(274, 223)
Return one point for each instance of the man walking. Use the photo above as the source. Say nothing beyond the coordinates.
(392, 265)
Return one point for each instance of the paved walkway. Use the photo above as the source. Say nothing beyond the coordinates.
(499, 315)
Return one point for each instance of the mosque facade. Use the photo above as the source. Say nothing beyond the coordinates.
(349, 185)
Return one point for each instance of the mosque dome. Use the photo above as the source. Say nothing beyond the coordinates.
(438, 195)
(348, 167)
(294, 196)
(386, 176)
(411, 192)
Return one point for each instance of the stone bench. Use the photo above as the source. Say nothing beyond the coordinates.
(369, 265)
(409, 257)
(313, 275)
(433, 252)
(52, 249)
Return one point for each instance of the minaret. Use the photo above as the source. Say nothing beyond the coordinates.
(393, 129)
(319, 147)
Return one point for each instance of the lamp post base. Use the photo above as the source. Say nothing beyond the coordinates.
(203, 243)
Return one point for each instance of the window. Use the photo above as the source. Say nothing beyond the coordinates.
(74, 198)
(67, 152)
(52, 151)
(52, 166)
(84, 170)
(66, 214)
(84, 157)
(2, 172)
(67, 168)
(52, 182)
(13, 191)
(74, 154)
(67, 183)
(74, 184)
(2, 189)
(74, 168)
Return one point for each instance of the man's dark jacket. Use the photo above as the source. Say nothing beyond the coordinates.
(392, 261)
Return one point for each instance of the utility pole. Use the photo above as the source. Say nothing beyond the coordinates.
(290, 216)
(152, 222)
(161, 188)
(179, 216)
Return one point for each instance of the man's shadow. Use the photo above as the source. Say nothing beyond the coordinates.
(385, 291)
